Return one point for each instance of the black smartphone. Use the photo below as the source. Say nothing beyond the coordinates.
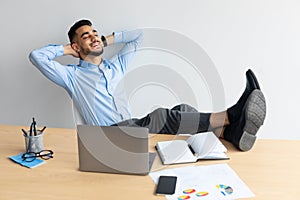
(166, 185)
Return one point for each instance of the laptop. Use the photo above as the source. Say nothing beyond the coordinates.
(114, 149)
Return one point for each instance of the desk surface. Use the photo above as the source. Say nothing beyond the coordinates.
(270, 169)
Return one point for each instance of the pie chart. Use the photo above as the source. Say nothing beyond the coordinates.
(224, 189)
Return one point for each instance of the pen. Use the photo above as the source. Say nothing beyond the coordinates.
(42, 130)
(25, 133)
(30, 131)
(192, 150)
(34, 126)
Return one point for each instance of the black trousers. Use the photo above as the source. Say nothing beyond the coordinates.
(181, 119)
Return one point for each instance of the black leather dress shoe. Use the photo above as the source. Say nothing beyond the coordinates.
(242, 133)
(234, 112)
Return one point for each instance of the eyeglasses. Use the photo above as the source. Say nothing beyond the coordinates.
(31, 156)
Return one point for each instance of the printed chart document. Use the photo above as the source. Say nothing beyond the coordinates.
(201, 146)
(208, 182)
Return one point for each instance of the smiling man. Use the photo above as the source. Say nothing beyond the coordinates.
(92, 85)
(85, 42)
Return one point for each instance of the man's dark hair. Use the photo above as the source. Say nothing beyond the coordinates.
(77, 25)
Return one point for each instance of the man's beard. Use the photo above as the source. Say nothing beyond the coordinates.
(96, 53)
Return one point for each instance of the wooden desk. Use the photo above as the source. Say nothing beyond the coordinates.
(271, 170)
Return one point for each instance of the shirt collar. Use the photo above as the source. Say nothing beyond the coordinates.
(85, 64)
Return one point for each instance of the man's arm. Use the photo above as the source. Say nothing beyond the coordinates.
(43, 59)
(132, 40)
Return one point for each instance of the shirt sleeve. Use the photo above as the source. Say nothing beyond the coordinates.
(43, 59)
(132, 40)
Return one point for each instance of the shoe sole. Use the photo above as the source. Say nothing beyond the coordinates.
(255, 115)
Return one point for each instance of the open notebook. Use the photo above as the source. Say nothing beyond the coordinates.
(196, 147)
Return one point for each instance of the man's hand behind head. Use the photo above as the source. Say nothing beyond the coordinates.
(68, 50)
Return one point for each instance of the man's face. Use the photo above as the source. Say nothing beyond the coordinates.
(87, 42)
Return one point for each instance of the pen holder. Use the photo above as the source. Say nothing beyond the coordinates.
(34, 143)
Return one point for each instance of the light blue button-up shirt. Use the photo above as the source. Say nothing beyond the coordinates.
(94, 89)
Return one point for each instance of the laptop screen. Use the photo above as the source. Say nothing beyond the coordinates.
(113, 149)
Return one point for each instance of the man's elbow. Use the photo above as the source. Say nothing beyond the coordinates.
(36, 58)
(139, 37)
(140, 34)
(33, 56)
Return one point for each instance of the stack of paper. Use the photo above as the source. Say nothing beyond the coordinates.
(210, 182)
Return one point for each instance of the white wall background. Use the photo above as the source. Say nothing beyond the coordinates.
(236, 34)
